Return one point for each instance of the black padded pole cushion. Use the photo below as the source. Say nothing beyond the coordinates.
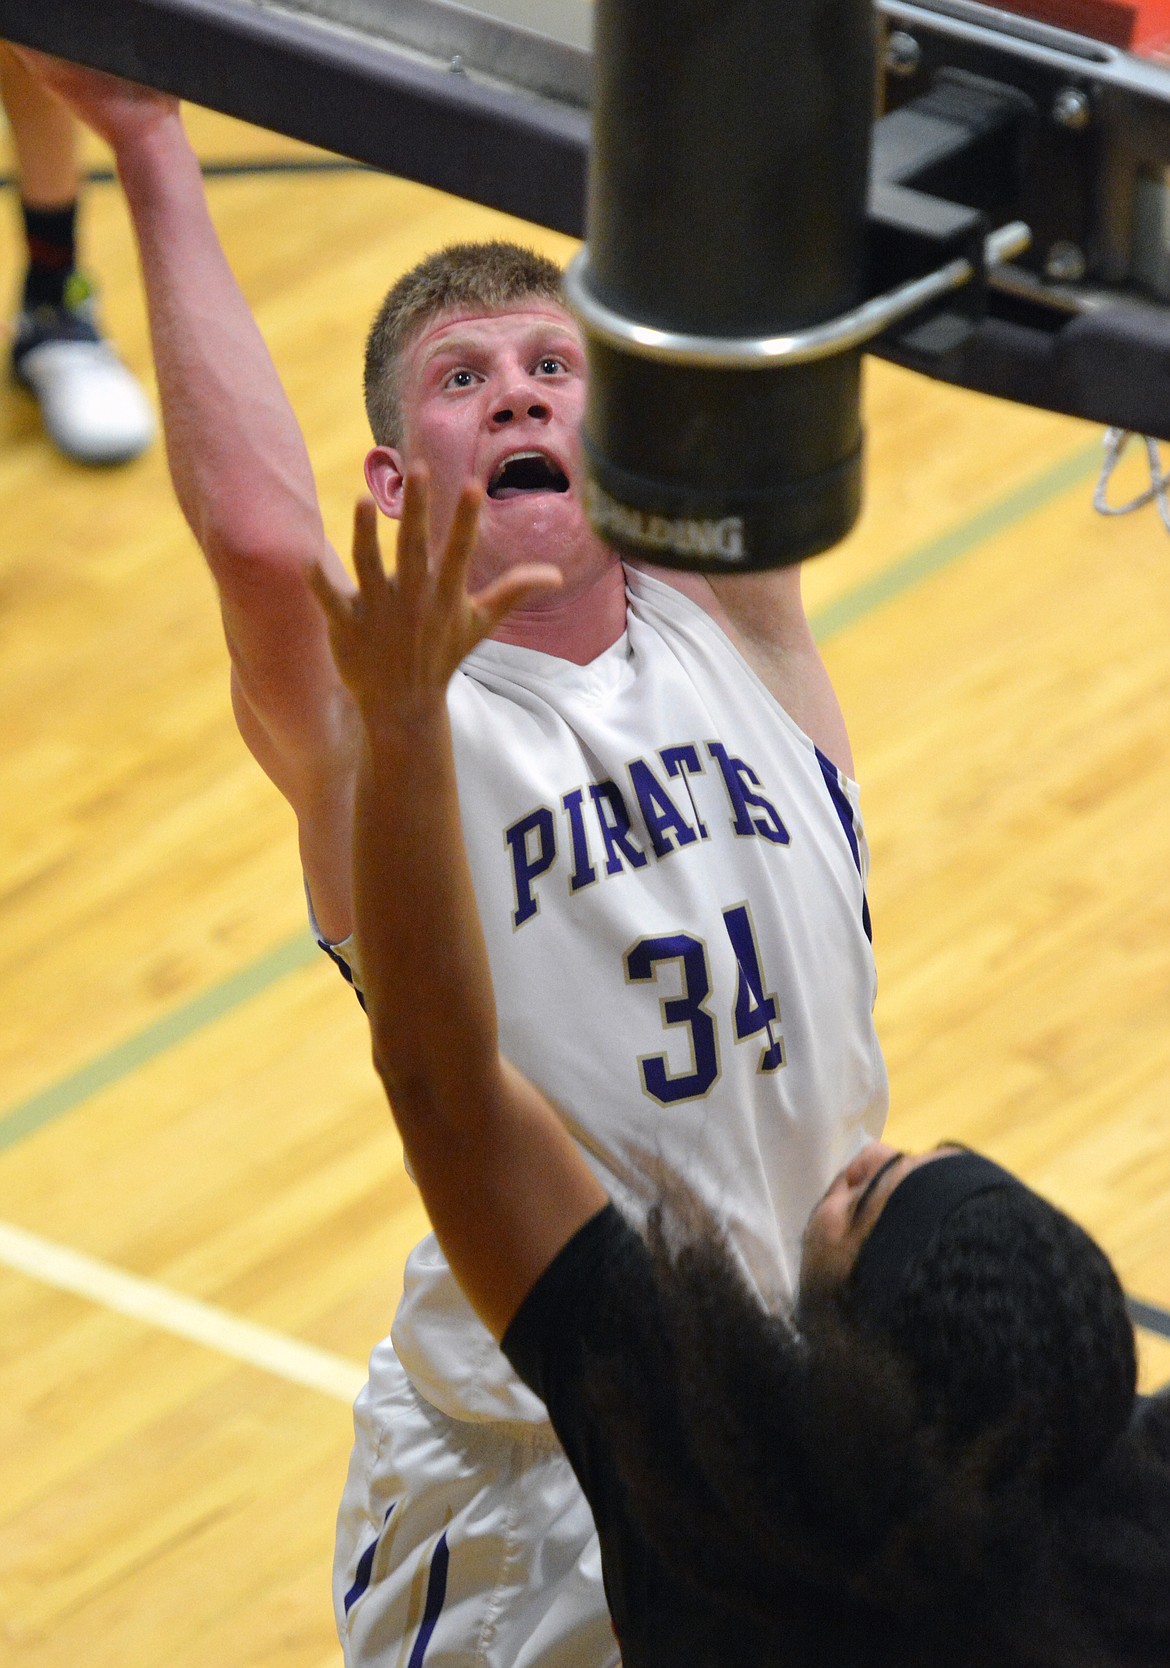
(727, 197)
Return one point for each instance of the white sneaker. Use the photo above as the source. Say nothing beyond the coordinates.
(94, 409)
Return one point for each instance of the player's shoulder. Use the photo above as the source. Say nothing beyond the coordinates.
(646, 581)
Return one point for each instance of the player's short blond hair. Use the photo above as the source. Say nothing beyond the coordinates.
(487, 275)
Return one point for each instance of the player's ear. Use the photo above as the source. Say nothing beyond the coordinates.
(386, 479)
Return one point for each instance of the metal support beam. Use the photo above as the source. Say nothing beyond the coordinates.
(520, 148)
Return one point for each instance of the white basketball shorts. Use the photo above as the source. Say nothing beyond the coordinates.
(462, 1545)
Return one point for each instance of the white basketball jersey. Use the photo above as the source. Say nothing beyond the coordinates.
(671, 879)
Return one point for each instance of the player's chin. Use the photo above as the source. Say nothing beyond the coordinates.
(535, 517)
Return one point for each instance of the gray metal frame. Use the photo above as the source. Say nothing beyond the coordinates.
(489, 101)
(506, 124)
(542, 47)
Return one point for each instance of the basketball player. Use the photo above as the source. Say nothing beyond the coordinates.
(664, 839)
(93, 408)
(938, 1464)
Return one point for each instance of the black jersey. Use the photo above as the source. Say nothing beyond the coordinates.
(661, 1620)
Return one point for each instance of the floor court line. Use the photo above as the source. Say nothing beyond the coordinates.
(940, 553)
(183, 1022)
(240, 168)
(1149, 1316)
(184, 1317)
(204, 1324)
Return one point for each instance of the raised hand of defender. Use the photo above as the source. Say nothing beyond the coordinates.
(398, 639)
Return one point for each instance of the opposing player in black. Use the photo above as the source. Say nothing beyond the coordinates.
(940, 1458)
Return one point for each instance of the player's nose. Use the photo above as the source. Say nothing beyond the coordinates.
(868, 1162)
(518, 401)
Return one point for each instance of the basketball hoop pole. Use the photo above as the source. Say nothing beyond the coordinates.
(727, 197)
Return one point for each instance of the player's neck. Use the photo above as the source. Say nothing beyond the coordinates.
(576, 624)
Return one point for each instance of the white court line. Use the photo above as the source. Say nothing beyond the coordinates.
(185, 1317)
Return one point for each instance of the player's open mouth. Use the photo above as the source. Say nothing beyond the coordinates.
(524, 472)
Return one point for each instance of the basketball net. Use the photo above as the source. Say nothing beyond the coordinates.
(1115, 442)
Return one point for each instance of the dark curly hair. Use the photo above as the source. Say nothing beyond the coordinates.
(1014, 1321)
(963, 1486)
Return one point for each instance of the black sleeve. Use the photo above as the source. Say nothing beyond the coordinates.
(566, 1300)
(550, 1337)
(597, 1310)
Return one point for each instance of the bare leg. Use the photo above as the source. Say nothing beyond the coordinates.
(92, 406)
(44, 134)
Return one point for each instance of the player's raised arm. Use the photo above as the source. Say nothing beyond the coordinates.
(763, 614)
(503, 1182)
(766, 618)
(237, 457)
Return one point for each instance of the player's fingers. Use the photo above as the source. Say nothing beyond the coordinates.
(414, 533)
(508, 592)
(367, 556)
(331, 599)
(460, 544)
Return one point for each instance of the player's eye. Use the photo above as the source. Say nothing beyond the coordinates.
(459, 379)
(550, 366)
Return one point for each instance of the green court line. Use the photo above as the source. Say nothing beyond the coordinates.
(939, 553)
(1150, 1315)
(119, 1062)
(59, 1098)
(240, 169)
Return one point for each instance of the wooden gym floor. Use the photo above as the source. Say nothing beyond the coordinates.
(203, 1214)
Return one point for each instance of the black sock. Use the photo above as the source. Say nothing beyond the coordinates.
(51, 235)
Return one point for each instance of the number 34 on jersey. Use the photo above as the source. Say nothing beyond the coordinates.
(754, 1014)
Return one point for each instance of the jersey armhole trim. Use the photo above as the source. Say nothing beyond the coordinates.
(844, 808)
(645, 587)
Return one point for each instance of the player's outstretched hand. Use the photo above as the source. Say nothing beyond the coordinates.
(115, 109)
(398, 639)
